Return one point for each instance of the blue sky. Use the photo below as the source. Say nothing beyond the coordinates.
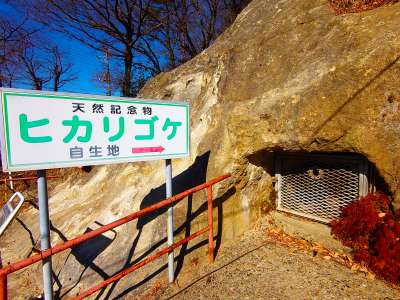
(84, 60)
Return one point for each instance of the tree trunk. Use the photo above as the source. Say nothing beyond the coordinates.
(127, 81)
(55, 83)
(37, 84)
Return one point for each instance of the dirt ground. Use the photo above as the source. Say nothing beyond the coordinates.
(263, 263)
(255, 267)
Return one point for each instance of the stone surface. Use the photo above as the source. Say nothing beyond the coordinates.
(286, 76)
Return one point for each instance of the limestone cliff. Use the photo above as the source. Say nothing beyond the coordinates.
(288, 76)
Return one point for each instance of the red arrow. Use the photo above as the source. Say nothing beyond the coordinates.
(148, 149)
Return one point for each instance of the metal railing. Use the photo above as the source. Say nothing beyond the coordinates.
(11, 268)
(9, 210)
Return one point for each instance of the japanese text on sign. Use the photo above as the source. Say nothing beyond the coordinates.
(57, 130)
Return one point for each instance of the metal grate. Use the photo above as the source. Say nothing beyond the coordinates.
(319, 186)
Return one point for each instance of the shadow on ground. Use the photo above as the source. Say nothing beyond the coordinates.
(87, 252)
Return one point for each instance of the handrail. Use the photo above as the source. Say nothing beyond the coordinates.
(84, 237)
(138, 265)
(11, 216)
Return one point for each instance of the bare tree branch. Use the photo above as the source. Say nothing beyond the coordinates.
(34, 68)
(115, 24)
(58, 69)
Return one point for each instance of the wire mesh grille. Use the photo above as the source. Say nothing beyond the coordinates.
(317, 187)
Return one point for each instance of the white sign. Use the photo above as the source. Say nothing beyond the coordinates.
(42, 130)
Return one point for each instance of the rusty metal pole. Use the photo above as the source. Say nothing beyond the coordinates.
(46, 254)
(11, 268)
(210, 225)
(3, 283)
(138, 265)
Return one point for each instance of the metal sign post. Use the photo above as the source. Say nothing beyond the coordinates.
(45, 233)
(170, 221)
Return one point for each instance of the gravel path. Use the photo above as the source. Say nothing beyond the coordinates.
(253, 268)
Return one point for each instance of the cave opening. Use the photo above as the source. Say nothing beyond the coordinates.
(318, 185)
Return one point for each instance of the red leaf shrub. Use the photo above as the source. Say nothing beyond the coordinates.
(359, 220)
(354, 6)
(372, 229)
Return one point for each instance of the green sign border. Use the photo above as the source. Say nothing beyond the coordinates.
(65, 97)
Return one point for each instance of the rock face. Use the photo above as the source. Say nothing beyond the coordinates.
(287, 76)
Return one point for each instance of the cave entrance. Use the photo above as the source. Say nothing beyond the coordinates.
(318, 186)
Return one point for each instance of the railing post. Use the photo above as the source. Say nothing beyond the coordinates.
(3, 284)
(210, 224)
